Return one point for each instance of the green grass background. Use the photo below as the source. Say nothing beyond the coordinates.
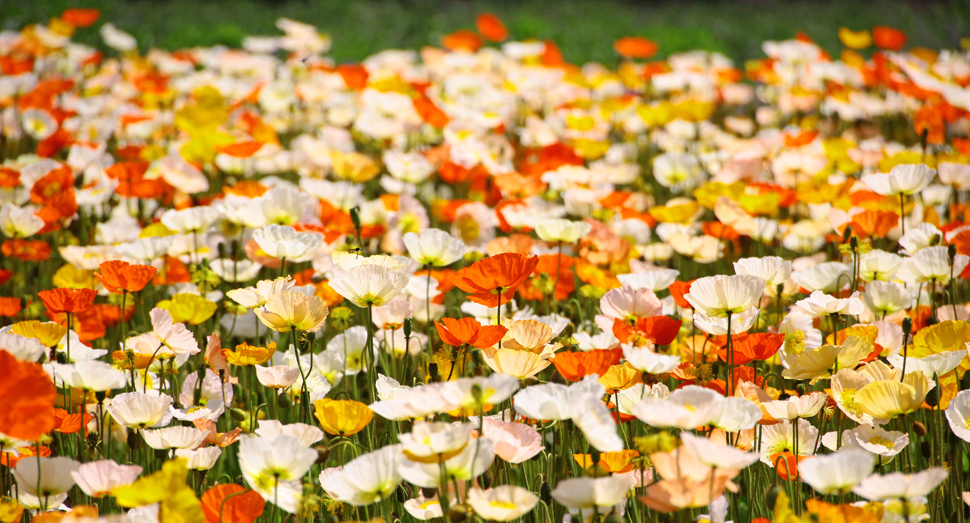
(584, 29)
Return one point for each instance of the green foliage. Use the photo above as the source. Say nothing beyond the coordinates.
(584, 29)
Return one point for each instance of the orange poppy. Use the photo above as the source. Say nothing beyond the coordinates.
(552, 55)
(68, 300)
(519, 243)
(575, 366)
(661, 330)
(231, 503)
(565, 283)
(240, 149)
(67, 423)
(118, 276)
(800, 139)
(462, 40)
(873, 223)
(635, 47)
(429, 112)
(720, 231)
(491, 27)
(354, 75)
(26, 250)
(755, 346)
(468, 331)
(10, 307)
(27, 395)
(9, 177)
(492, 281)
(677, 290)
(80, 17)
(88, 324)
(786, 464)
(14, 66)
(9, 459)
(929, 120)
(888, 38)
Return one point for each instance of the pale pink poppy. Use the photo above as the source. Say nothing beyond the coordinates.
(514, 442)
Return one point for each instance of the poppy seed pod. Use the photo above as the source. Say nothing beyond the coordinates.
(919, 428)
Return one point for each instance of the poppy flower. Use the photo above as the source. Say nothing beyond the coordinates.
(118, 276)
(430, 112)
(10, 307)
(491, 27)
(27, 395)
(677, 290)
(786, 464)
(462, 40)
(10, 459)
(757, 346)
(79, 17)
(635, 47)
(67, 423)
(468, 331)
(71, 301)
(661, 330)
(492, 281)
(888, 38)
(26, 250)
(342, 417)
(232, 503)
(574, 366)
(248, 355)
(354, 75)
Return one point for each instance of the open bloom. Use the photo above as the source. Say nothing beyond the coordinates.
(958, 415)
(900, 485)
(342, 417)
(367, 479)
(369, 285)
(502, 503)
(902, 179)
(98, 478)
(469, 331)
(118, 276)
(283, 241)
(719, 296)
(434, 247)
(140, 410)
(587, 493)
(290, 310)
(559, 230)
(494, 280)
(46, 480)
(821, 304)
(68, 300)
(836, 473)
(268, 463)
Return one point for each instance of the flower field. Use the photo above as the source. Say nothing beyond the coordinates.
(476, 282)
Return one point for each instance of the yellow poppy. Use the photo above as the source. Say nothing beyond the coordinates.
(886, 399)
(945, 336)
(855, 39)
(155, 229)
(708, 193)
(354, 167)
(49, 333)
(620, 377)
(190, 308)
(246, 354)
(342, 417)
(70, 277)
(682, 211)
(178, 503)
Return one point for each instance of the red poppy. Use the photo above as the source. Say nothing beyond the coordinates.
(888, 38)
(68, 300)
(80, 17)
(575, 366)
(492, 281)
(661, 330)
(468, 331)
(755, 346)
(491, 27)
(118, 276)
(635, 47)
(27, 395)
(26, 250)
(231, 503)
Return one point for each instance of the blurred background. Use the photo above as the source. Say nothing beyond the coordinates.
(584, 29)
